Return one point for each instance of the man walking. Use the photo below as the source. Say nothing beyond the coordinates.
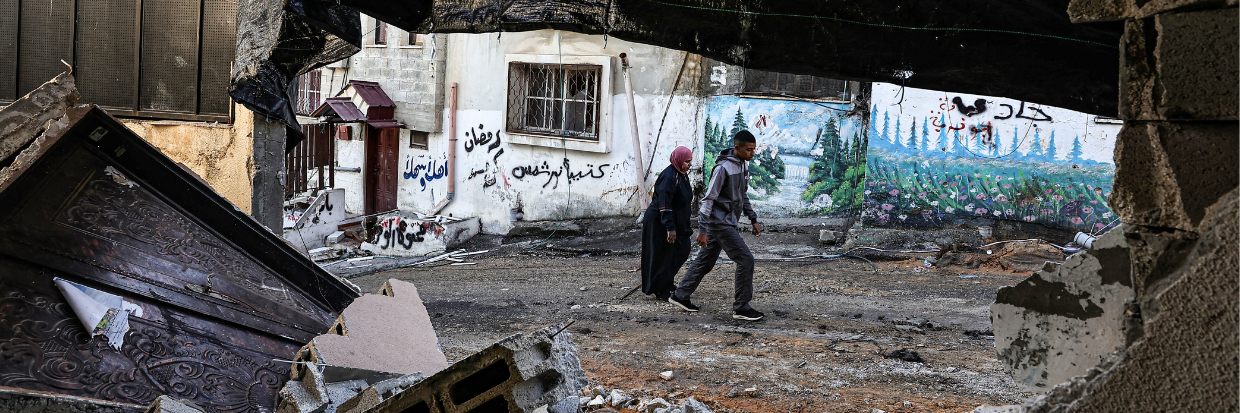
(722, 206)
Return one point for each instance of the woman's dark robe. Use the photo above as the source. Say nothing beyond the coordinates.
(668, 211)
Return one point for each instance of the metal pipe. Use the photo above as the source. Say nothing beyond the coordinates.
(637, 142)
(452, 96)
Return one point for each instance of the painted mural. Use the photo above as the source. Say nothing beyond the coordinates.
(811, 155)
(937, 157)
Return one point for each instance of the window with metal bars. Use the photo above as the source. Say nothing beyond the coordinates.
(802, 86)
(308, 92)
(553, 99)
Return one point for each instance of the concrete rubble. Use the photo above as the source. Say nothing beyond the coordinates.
(382, 355)
(420, 236)
(1065, 319)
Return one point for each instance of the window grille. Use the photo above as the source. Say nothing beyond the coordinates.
(308, 92)
(803, 86)
(553, 99)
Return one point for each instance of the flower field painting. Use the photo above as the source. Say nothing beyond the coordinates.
(932, 164)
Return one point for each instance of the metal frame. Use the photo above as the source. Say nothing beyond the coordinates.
(134, 110)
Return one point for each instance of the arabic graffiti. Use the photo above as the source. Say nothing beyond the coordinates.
(942, 119)
(425, 172)
(491, 140)
(554, 175)
(1040, 116)
(490, 172)
(397, 232)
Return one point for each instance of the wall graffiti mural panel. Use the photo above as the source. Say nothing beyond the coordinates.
(811, 155)
(939, 157)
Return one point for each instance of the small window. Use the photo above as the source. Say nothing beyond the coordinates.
(380, 33)
(801, 86)
(418, 139)
(554, 99)
(309, 95)
(414, 39)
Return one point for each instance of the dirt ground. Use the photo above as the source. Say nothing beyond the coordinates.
(820, 349)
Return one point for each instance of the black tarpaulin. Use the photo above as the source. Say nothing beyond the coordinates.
(1027, 50)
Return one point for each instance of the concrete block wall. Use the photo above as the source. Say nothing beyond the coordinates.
(518, 374)
(411, 75)
(1176, 189)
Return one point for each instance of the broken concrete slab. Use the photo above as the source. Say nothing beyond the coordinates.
(545, 229)
(27, 118)
(319, 220)
(1185, 359)
(1167, 173)
(402, 236)
(518, 374)
(388, 332)
(370, 397)
(1064, 320)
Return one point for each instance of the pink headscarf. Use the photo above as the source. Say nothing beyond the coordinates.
(680, 155)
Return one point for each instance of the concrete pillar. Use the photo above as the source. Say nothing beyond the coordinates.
(267, 199)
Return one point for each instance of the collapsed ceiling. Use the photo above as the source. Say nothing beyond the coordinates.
(1026, 49)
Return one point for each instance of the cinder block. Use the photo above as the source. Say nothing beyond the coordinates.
(517, 375)
(165, 404)
(1181, 66)
(1167, 173)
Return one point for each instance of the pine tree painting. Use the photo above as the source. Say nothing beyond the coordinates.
(1074, 155)
(1050, 149)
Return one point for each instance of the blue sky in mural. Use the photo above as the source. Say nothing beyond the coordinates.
(788, 124)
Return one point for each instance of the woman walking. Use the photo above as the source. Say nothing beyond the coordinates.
(665, 230)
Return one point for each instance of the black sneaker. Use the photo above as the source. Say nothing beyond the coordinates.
(684, 304)
(748, 315)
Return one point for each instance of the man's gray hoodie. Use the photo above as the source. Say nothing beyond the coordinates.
(727, 197)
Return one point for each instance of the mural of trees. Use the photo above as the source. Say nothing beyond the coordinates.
(1028, 178)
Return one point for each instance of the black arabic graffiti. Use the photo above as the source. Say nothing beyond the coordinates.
(425, 172)
(554, 175)
(492, 140)
(395, 232)
(979, 106)
(1040, 116)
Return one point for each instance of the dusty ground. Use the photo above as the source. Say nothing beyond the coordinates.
(819, 350)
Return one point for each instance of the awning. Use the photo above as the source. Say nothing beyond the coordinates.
(339, 109)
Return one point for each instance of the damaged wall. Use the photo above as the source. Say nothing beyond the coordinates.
(220, 154)
(541, 176)
(939, 158)
(1178, 160)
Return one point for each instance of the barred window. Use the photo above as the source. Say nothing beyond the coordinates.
(554, 99)
(308, 92)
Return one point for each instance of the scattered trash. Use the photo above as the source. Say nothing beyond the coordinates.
(968, 276)
(667, 375)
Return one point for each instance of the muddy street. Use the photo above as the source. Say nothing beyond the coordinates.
(824, 345)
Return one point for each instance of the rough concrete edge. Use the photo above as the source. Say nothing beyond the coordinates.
(49, 101)
(1064, 397)
(31, 154)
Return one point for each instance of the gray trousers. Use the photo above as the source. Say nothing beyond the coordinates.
(725, 238)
